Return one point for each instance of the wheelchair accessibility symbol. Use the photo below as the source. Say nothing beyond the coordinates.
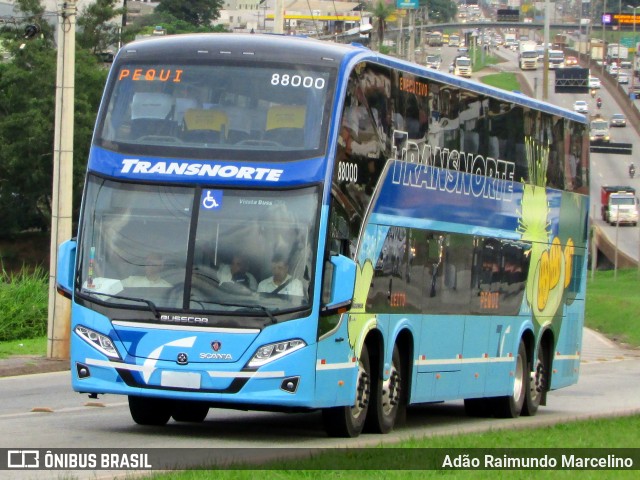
(211, 199)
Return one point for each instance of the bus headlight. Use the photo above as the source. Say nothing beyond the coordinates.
(271, 351)
(100, 342)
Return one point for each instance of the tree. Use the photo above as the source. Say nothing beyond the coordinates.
(96, 32)
(173, 26)
(440, 11)
(381, 12)
(196, 12)
(27, 109)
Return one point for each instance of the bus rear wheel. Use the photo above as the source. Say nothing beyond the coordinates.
(149, 411)
(510, 406)
(537, 381)
(186, 411)
(387, 398)
(349, 421)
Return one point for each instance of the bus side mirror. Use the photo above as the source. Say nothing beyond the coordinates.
(338, 284)
(65, 267)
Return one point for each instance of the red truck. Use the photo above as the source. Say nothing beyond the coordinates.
(619, 204)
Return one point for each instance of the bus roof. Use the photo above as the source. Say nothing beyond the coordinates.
(310, 51)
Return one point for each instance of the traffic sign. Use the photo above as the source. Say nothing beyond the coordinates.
(626, 42)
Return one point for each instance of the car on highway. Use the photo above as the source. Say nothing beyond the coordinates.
(618, 120)
(594, 82)
(599, 130)
(570, 61)
(613, 69)
(623, 78)
(581, 106)
(434, 61)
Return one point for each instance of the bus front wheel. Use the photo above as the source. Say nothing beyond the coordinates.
(149, 411)
(510, 406)
(349, 421)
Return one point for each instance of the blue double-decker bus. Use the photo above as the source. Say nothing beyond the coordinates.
(287, 224)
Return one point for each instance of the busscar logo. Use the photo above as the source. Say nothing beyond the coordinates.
(183, 319)
(23, 459)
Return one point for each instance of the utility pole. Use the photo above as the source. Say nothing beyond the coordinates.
(545, 66)
(61, 204)
(278, 17)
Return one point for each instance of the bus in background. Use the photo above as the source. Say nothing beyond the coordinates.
(280, 223)
(434, 39)
(454, 40)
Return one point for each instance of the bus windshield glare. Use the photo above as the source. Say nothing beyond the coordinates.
(253, 112)
(248, 250)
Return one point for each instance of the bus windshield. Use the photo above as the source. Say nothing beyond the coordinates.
(237, 250)
(248, 112)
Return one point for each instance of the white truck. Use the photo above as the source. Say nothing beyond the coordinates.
(619, 205)
(510, 40)
(528, 56)
(462, 67)
(556, 59)
(617, 52)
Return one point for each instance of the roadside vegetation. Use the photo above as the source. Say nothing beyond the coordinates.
(23, 303)
(506, 81)
(608, 434)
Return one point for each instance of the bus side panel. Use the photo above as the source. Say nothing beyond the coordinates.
(504, 339)
(566, 358)
(475, 352)
(336, 368)
(438, 359)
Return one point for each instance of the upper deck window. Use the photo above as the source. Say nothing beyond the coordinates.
(240, 111)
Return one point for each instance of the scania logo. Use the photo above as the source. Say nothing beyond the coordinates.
(182, 359)
(216, 345)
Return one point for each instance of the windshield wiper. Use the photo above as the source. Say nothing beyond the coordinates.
(152, 306)
(254, 307)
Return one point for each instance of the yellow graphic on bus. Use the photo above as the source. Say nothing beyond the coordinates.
(551, 266)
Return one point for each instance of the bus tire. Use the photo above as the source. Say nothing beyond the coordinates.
(149, 411)
(510, 406)
(348, 422)
(189, 411)
(537, 382)
(386, 398)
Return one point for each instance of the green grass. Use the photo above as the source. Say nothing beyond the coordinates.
(612, 306)
(479, 62)
(23, 303)
(603, 433)
(505, 81)
(29, 346)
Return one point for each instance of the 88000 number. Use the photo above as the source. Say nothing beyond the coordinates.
(286, 80)
(347, 172)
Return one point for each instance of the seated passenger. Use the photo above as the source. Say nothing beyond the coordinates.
(153, 268)
(237, 273)
(281, 282)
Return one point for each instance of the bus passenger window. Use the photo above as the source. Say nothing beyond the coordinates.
(285, 125)
(150, 114)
